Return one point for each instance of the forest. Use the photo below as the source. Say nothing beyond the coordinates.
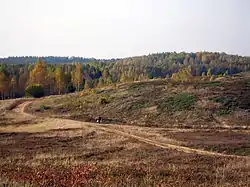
(60, 75)
(51, 60)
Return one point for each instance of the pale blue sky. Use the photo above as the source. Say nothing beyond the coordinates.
(122, 28)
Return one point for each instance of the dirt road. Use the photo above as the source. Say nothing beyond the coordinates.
(129, 131)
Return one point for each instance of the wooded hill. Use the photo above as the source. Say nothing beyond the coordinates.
(58, 75)
(51, 60)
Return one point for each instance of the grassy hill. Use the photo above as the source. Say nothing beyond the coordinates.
(223, 103)
(213, 111)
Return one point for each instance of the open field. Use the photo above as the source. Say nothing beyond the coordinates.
(226, 141)
(50, 150)
(83, 157)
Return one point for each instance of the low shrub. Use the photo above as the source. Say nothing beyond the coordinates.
(177, 102)
(44, 107)
(71, 88)
(217, 99)
(104, 100)
(228, 106)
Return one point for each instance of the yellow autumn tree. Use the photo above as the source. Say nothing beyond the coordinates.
(39, 75)
(13, 87)
(78, 76)
(60, 80)
(183, 75)
(4, 83)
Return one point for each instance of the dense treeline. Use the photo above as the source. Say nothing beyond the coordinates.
(60, 76)
(50, 60)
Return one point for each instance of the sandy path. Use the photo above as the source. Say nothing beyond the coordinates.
(66, 123)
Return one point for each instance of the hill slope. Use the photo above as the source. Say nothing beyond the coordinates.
(159, 103)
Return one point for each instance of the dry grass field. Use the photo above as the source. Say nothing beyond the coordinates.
(152, 136)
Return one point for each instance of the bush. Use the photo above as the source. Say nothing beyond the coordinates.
(71, 88)
(34, 90)
(44, 107)
(177, 102)
(104, 101)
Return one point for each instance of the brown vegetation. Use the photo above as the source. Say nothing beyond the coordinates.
(89, 157)
(183, 105)
(43, 151)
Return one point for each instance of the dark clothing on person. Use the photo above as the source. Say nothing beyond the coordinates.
(99, 119)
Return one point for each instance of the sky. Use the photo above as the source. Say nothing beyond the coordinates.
(123, 28)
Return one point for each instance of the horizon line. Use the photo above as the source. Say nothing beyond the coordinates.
(117, 58)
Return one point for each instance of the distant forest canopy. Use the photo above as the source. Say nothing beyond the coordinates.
(51, 60)
(58, 75)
